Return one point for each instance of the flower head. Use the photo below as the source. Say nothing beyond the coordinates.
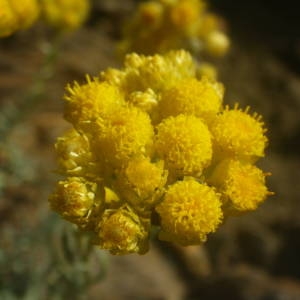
(184, 142)
(15, 16)
(74, 199)
(159, 26)
(237, 134)
(84, 104)
(193, 97)
(142, 182)
(188, 212)
(121, 231)
(65, 14)
(242, 185)
(125, 133)
(74, 155)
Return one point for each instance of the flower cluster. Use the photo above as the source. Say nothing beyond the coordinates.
(161, 25)
(63, 14)
(153, 145)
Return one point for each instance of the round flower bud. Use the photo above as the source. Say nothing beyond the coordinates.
(188, 212)
(184, 142)
(65, 14)
(235, 133)
(74, 155)
(242, 185)
(86, 103)
(126, 133)
(142, 182)
(122, 232)
(74, 199)
(193, 97)
(217, 43)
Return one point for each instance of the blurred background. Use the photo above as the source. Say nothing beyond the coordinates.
(255, 256)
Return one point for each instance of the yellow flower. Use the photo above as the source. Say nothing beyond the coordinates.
(65, 14)
(217, 43)
(156, 72)
(207, 70)
(121, 231)
(192, 97)
(142, 182)
(159, 26)
(74, 199)
(188, 212)
(16, 15)
(184, 142)
(186, 12)
(84, 104)
(125, 133)
(237, 134)
(27, 12)
(146, 100)
(75, 157)
(8, 20)
(242, 185)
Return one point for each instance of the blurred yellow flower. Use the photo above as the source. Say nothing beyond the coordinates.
(65, 14)
(159, 26)
(16, 15)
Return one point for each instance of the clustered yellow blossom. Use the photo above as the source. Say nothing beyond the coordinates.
(161, 25)
(17, 15)
(152, 145)
(63, 14)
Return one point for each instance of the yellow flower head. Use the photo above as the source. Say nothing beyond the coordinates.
(65, 14)
(185, 13)
(238, 134)
(188, 212)
(217, 43)
(155, 72)
(159, 26)
(26, 11)
(122, 232)
(142, 182)
(84, 104)
(74, 155)
(242, 185)
(74, 199)
(193, 97)
(125, 133)
(184, 142)
(16, 15)
(8, 20)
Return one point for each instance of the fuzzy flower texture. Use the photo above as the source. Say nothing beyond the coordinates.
(160, 25)
(153, 146)
(65, 15)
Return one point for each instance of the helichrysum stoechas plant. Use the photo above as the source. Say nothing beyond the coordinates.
(162, 25)
(153, 145)
(17, 15)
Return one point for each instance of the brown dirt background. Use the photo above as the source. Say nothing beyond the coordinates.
(253, 257)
